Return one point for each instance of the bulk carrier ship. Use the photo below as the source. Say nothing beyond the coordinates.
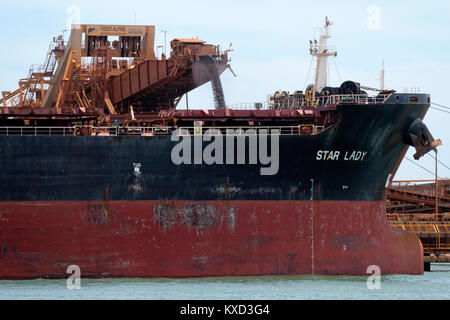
(100, 169)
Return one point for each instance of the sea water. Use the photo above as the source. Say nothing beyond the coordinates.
(430, 285)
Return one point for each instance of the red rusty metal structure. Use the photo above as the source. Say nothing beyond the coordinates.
(111, 70)
(411, 206)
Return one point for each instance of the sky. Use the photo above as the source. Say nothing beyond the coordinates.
(270, 42)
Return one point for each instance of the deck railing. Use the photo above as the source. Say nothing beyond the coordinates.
(307, 129)
(293, 102)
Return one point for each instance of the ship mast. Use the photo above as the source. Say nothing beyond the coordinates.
(382, 76)
(321, 51)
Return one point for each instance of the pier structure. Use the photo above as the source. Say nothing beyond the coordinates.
(415, 206)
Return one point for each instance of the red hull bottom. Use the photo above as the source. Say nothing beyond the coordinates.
(202, 238)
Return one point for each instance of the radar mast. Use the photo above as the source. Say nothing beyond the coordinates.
(321, 50)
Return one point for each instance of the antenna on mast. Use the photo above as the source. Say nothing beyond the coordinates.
(322, 51)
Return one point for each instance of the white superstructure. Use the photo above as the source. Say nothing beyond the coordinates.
(321, 50)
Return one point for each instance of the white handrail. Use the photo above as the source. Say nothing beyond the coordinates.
(155, 131)
(292, 102)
